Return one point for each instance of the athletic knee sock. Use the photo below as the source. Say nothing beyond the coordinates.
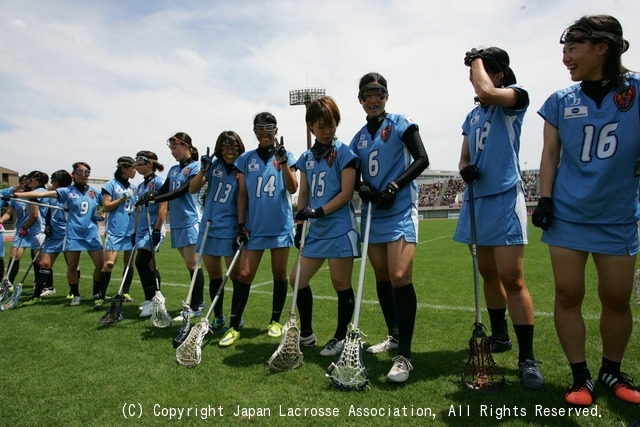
(580, 372)
(279, 298)
(13, 271)
(105, 278)
(498, 322)
(74, 289)
(238, 302)
(197, 296)
(44, 281)
(126, 286)
(387, 305)
(214, 286)
(346, 306)
(524, 334)
(406, 307)
(305, 310)
(2, 267)
(96, 288)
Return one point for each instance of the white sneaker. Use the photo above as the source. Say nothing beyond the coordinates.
(192, 314)
(389, 343)
(75, 300)
(143, 303)
(332, 347)
(399, 372)
(309, 341)
(147, 309)
(48, 291)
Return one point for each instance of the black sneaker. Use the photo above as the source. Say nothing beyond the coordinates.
(500, 345)
(530, 375)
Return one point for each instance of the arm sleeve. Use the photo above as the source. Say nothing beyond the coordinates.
(178, 192)
(412, 140)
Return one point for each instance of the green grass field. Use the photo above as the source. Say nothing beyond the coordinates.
(62, 368)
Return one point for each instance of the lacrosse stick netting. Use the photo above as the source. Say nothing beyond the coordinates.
(481, 372)
(348, 372)
(288, 356)
(17, 289)
(189, 353)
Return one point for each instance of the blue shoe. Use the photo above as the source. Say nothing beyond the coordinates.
(216, 323)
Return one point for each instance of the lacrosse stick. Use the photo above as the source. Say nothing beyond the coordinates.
(44, 205)
(17, 289)
(114, 314)
(7, 286)
(189, 352)
(288, 356)
(481, 372)
(636, 286)
(348, 372)
(160, 318)
(186, 321)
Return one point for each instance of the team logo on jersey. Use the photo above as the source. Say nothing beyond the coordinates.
(362, 143)
(576, 112)
(277, 165)
(310, 164)
(217, 173)
(185, 173)
(91, 194)
(385, 133)
(331, 158)
(253, 167)
(475, 119)
(625, 98)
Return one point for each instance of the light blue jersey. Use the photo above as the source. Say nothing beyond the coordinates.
(383, 159)
(81, 207)
(269, 211)
(493, 133)
(221, 204)
(325, 182)
(600, 145)
(151, 183)
(185, 211)
(119, 221)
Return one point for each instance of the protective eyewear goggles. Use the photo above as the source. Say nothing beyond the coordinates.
(268, 129)
(379, 91)
(579, 34)
(173, 141)
(142, 160)
(230, 145)
(83, 172)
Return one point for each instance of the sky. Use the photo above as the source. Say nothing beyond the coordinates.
(95, 80)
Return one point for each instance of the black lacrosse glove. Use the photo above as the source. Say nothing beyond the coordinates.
(242, 238)
(145, 198)
(205, 162)
(543, 213)
(8, 197)
(156, 236)
(367, 192)
(307, 212)
(281, 153)
(298, 237)
(96, 218)
(470, 173)
(387, 197)
(471, 55)
(48, 231)
(133, 240)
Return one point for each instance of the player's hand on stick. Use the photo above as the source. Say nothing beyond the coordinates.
(145, 198)
(242, 237)
(155, 237)
(307, 212)
(387, 197)
(543, 214)
(470, 173)
(298, 237)
(367, 192)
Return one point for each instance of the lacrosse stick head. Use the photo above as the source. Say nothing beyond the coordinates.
(186, 325)
(160, 318)
(5, 289)
(288, 356)
(189, 353)
(348, 372)
(481, 372)
(114, 314)
(13, 299)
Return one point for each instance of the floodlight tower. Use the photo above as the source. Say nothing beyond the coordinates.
(304, 97)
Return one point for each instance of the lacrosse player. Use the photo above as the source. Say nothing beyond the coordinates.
(265, 182)
(82, 201)
(392, 156)
(327, 180)
(185, 210)
(55, 225)
(589, 200)
(489, 161)
(117, 202)
(221, 208)
(147, 165)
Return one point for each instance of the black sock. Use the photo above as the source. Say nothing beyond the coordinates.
(580, 372)
(524, 334)
(498, 321)
(279, 298)
(346, 306)
(13, 270)
(609, 367)
(44, 281)
(214, 287)
(74, 289)
(387, 305)
(305, 310)
(2, 267)
(197, 296)
(238, 302)
(406, 307)
(126, 285)
(105, 278)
